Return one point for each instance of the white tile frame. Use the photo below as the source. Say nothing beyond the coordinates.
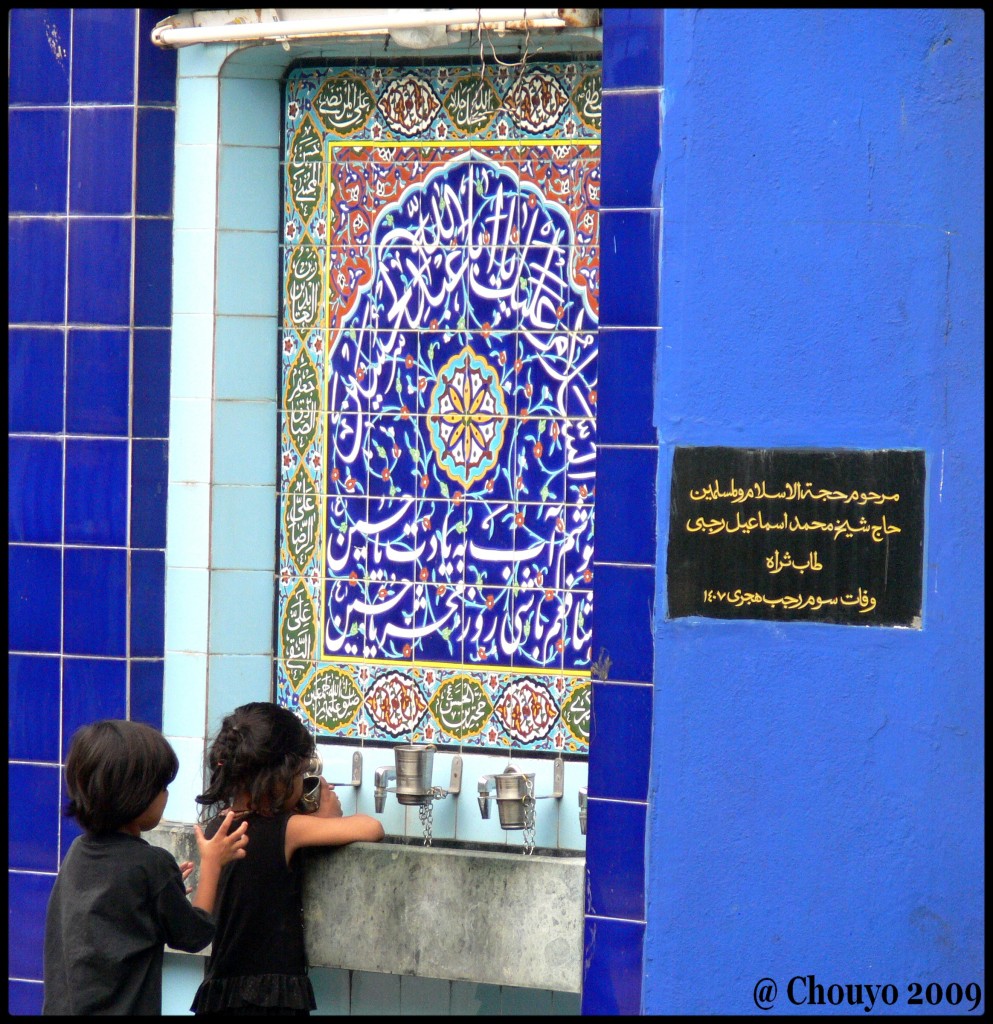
(228, 102)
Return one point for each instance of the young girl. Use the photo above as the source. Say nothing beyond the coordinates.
(117, 900)
(258, 965)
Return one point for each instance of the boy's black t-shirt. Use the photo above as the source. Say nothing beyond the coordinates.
(116, 902)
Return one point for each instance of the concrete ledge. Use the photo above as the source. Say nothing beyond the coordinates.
(461, 912)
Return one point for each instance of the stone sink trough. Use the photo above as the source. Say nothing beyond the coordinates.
(460, 911)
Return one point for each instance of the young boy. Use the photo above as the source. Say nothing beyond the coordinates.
(118, 900)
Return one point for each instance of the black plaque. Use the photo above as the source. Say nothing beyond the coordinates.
(797, 535)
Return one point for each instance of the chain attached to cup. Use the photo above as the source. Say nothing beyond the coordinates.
(528, 815)
(425, 812)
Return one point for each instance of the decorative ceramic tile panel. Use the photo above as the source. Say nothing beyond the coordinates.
(438, 429)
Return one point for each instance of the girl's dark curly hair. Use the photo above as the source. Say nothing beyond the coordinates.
(114, 770)
(259, 750)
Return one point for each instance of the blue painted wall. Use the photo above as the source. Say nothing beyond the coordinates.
(816, 800)
(624, 558)
(812, 795)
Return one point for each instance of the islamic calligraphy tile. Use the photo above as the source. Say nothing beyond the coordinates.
(472, 103)
(346, 518)
(304, 285)
(409, 105)
(305, 171)
(344, 104)
(301, 515)
(302, 401)
(332, 698)
(298, 633)
(526, 710)
(461, 707)
(395, 703)
(438, 442)
(576, 713)
(586, 100)
(536, 101)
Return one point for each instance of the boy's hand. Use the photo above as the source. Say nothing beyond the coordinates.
(330, 804)
(226, 846)
(186, 868)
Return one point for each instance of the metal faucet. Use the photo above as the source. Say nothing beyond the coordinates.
(487, 787)
(582, 809)
(487, 783)
(388, 773)
(384, 776)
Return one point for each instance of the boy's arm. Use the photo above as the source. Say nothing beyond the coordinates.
(206, 894)
(182, 926)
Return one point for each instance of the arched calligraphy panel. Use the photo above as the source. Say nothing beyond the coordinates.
(448, 359)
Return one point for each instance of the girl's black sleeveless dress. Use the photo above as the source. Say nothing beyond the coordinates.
(258, 964)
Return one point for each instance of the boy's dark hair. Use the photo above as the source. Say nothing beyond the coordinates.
(114, 770)
(259, 750)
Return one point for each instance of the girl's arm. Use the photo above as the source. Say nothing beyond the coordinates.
(327, 826)
(222, 848)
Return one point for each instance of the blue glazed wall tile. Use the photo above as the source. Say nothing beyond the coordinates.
(420, 996)
(615, 854)
(93, 689)
(566, 1004)
(620, 741)
(629, 268)
(626, 387)
(245, 172)
(97, 382)
(25, 998)
(153, 273)
(625, 480)
(33, 818)
(96, 492)
(34, 579)
(34, 684)
(375, 994)
(38, 161)
(147, 604)
(632, 126)
(241, 428)
(87, 160)
(95, 597)
(101, 169)
(150, 376)
(632, 47)
(156, 67)
(29, 893)
(156, 143)
(34, 496)
(624, 620)
(35, 380)
(70, 828)
(100, 272)
(103, 55)
(612, 967)
(524, 1002)
(476, 1000)
(39, 55)
(149, 486)
(36, 271)
(146, 691)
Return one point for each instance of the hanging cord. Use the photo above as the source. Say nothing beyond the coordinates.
(506, 64)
